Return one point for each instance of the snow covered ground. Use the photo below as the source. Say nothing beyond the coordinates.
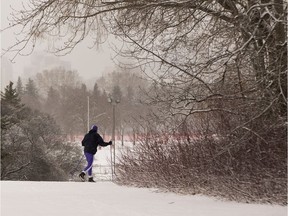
(105, 198)
(109, 199)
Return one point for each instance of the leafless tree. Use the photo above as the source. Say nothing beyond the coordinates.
(191, 44)
(57, 78)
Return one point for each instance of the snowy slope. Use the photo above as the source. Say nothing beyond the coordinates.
(108, 199)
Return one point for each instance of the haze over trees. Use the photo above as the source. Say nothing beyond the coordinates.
(219, 86)
(62, 94)
(32, 147)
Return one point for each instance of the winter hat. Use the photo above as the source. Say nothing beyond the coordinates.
(94, 127)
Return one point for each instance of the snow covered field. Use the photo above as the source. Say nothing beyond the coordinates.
(109, 199)
(105, 198)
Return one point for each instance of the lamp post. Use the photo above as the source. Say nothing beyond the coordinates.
(88, 114)
(113, 102)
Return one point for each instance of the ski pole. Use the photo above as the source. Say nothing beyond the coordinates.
(111, 162)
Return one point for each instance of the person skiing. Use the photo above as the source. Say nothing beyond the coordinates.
(90, 142)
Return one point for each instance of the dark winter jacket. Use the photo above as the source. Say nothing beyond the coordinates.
(92, 140)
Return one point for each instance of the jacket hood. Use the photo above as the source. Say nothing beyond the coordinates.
(94, 128)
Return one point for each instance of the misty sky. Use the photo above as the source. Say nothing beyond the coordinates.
(88, 62)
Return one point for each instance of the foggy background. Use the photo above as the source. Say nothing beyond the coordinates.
(90, 63)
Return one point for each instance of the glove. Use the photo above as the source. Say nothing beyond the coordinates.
(110, 142)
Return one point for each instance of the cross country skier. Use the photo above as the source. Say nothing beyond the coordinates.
(90, 142)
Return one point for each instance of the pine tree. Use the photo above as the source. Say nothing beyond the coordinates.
(19, 87)
(96, 91)
(31, 89)
(10, 106)
(31, 97)
(10, 95)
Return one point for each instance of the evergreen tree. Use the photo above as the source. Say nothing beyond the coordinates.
(31, 97)
(31, 89)
(10, 95)
(19, 87)
(96, 91)
(10, 107)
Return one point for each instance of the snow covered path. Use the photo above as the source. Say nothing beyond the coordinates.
(108, 199)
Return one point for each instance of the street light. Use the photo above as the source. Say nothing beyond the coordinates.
(113, 102)
(88, 113)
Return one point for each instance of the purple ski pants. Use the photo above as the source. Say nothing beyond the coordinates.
(89, 158)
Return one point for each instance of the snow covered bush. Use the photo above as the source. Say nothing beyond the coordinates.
(238, 167)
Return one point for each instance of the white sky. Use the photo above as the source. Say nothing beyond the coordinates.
(89, 63)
